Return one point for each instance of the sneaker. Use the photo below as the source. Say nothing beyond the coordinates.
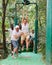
(26, 49)
(13, 57)
(16, 55)
(22, 48)
(12, 53)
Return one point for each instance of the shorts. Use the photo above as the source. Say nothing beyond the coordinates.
(25, 36)
(15, 43)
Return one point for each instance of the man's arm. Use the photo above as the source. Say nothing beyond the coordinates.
(7, 30)
(17, 36)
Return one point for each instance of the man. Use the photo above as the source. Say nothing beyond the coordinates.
(32, 38)
(10, 33)
(15, 36)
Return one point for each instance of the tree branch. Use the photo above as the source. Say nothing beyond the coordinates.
(6, 3)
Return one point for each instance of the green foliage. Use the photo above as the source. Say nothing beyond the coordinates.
(42, 25)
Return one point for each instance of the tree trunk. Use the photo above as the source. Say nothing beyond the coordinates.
(4, 5)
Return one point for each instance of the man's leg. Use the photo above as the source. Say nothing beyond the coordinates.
(17, 44)
(11, 46)
(15, 48)
(13, 52)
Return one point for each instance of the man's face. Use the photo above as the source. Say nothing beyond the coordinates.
(17, 29)
(32, 31)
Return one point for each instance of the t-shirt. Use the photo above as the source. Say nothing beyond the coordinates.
(25, 28)
(15, 33)
(32, 35)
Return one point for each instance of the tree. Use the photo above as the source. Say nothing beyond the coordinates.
(4, 7)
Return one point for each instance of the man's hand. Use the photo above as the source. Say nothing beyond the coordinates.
(21, 33)
(16, 36)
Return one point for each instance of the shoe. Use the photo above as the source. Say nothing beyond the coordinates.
(16, 55)
(12, 53)
(26, 49)
(22, 48)
(13, 57)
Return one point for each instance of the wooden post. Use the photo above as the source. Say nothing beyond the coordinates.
(15, 18)
(36, 29)
(49, 33)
